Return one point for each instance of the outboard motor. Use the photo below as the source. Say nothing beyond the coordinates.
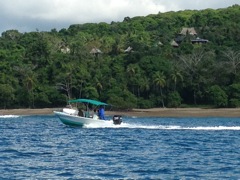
(117, 119)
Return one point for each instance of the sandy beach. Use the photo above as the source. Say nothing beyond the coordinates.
(154, 112)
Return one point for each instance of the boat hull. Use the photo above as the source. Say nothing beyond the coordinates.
(74, 120)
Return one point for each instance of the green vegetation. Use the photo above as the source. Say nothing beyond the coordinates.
(133, 63)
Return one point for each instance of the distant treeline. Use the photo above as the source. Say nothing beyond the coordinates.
(173, 59)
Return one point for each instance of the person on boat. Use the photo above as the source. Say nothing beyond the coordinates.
(80, 112)
(95, 116)
(69, 106)
(101, 113)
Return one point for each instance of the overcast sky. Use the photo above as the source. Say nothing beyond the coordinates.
(44, 15)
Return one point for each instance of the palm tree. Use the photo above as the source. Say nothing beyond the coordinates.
(99, 85)
(29, 79)
(29, 82)
(144, 85)
(131, 71)
(160, 81)
(175, 76)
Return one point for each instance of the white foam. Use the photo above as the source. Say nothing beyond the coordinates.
(215, 128)
(109, 124)
(101, 124)
(9, 116)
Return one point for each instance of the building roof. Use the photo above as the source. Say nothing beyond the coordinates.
(129, 49)
(95, 51)
(173, 43)
(190, 31)
(160, 43)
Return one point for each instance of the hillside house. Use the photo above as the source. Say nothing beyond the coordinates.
(174, 44)
(95, 51)
(128, 50)
(190, 31)
(199, 41)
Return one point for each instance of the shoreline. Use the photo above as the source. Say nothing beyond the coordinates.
(153, 112)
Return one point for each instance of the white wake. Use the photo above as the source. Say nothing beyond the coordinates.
(165, 127)
(9, 116)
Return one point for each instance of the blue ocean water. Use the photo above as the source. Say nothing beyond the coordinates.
(41, 147)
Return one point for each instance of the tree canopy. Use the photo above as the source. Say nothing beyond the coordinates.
(127, 64)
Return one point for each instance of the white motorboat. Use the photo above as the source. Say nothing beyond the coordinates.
(74, 117)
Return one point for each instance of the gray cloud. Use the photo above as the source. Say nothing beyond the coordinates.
(44, 15)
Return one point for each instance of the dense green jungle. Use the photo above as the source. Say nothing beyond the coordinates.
(188, 58)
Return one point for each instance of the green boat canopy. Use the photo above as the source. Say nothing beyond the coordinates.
(90, 101)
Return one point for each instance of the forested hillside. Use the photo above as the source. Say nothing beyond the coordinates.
(172, 59)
